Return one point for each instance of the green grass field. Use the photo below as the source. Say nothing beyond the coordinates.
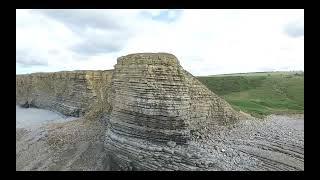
(260, 93)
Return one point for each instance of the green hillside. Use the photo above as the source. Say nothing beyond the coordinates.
(260, 93)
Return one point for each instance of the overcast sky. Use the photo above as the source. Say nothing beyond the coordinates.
(206, 42)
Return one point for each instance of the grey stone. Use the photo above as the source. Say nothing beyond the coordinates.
(171, 144)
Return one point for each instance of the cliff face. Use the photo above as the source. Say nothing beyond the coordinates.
(150, 98)
(156, 111)
(71, 93)
(154, 98)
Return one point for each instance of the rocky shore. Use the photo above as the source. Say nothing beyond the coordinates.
(275, 143)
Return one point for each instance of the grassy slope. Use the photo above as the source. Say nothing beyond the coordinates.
(260, 93)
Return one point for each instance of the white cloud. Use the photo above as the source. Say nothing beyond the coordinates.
(296, 28)
(205, 41)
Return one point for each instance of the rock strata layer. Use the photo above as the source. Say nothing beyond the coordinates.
(155, 105)
(72, 93)
(156, 112)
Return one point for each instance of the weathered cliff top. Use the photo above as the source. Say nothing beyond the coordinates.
(149, 59)
(64, 72)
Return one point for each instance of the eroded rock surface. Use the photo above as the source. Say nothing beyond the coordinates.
(275, 143)
(155, 102)
(76, 145)
(156, 116)
(72, 93)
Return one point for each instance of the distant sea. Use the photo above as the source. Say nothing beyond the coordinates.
(33, 117)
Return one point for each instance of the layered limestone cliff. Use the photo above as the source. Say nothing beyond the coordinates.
(156, 112)
(72, 93)
(158, 109)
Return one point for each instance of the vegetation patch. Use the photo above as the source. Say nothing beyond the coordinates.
(260, 93)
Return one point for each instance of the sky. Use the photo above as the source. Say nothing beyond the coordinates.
(206, 42)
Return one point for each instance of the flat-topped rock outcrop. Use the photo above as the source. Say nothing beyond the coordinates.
(150, 98)
(152, 94)
(158, 108)
(156, 112)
